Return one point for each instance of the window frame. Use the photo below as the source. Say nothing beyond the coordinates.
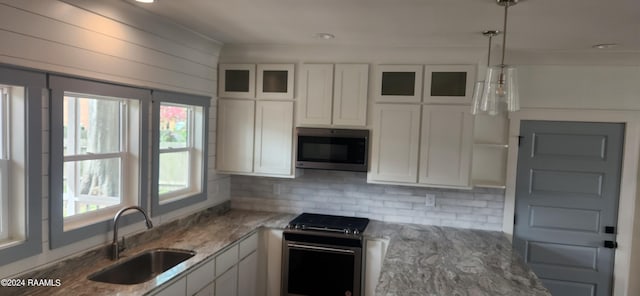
(34, 84)
(59, 85)
(188, 196)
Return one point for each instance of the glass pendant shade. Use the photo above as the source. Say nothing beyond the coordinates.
(497, 95)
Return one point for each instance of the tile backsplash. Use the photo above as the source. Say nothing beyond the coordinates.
(347, 193)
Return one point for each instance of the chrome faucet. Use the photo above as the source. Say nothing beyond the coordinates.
(116, 248)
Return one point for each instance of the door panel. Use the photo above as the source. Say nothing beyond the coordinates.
(396, 135)
(567, 188)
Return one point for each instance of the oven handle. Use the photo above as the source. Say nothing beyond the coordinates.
(320, 248)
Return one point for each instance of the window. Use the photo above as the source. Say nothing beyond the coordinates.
(94, 153)
(5, 92)
(180, 150)
(97, 154)
(20, 163)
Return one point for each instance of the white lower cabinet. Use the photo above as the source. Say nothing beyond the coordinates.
(274, 261)
(209, 290)
(177, 288)
(236, 271)
(436, 152)
(248, 275)
(375, 250)
(200, 278)
(227, 283)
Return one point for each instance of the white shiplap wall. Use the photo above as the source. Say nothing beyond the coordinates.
(116, 42)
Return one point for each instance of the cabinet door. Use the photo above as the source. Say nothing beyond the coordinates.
(201, 277)
(449, 84)
(395, 143)
(274, 137)
(350, 94)
(317, 85)
(237, 80)
(374, 256)
(248, 275)
(398, 83)
(209, 290)
(227, 283)
(178, 288)
(274, 261)
(235, 135)
(275, 81)
(446, 145)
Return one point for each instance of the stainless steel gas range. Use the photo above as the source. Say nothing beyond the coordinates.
(322, 255)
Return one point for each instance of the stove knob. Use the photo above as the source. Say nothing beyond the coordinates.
(356, 232)
(347, 231)
(297, 226)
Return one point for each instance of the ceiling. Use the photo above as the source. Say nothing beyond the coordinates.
(534, 25)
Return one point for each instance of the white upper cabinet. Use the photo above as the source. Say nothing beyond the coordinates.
(446, 145)
(235, 135)
(395, 144)
(449, 84)
(275, 81)
(334, 97)
(317, 90)
(237, 81)
(255, 137)
(436, 153)
(274, 137)
(350, 94)
(398, 83)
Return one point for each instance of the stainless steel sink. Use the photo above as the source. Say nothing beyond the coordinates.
(142, 267)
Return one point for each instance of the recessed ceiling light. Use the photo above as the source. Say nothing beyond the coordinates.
(605, 45)
(145, 1)
(325, 36)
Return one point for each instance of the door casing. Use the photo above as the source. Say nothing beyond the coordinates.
(626, 265)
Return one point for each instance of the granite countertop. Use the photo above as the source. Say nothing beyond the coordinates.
(206, 235)
(420, 260)
(431, 260)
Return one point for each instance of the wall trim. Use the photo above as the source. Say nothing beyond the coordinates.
(624, 268)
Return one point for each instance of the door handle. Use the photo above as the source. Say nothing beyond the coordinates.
(610, 244)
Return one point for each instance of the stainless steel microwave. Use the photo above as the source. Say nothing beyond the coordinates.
(332, 149)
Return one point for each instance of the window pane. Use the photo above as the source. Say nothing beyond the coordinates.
(90, 185)
(12, 155)
(91, 125)
(174, 172)
(174, 126)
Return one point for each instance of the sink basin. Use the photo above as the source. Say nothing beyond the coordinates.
(142, 267)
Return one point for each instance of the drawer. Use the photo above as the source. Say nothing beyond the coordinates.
(248, 245)
(226, 259)
(201, 277)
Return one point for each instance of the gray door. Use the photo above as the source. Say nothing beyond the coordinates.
(567, 189)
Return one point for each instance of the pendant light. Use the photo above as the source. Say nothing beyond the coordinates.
(479, 105)
(500, 89)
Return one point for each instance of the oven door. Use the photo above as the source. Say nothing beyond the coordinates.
(321, 265)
